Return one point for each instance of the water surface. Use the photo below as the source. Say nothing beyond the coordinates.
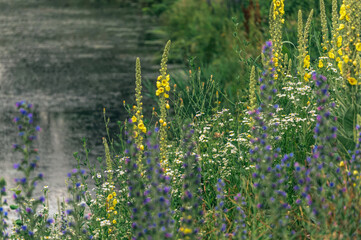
(70, 63)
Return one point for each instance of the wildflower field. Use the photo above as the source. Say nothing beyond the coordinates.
(282, 162)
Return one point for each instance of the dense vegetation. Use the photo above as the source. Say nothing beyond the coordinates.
(283, 162)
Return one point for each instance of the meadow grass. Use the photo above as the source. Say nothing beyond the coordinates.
(284, 164)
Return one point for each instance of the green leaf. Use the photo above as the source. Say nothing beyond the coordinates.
(18, 222)
(346, 142)
(348, 121)
(14, 207)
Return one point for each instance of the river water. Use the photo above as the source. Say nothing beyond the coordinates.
(70, 63)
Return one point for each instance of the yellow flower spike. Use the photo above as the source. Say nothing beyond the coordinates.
(134, 119)
(308, 102)
(114, 194)
(157, 93)
(115, 212)
(159, 84)
(346, 59)
(358, 47)
(135, 134)
(110, 196)
(342, 164)
(164, 124)
(163, 95)
(338, 59)
(108, 161)
(339, 41)
(115, 202)
(114, 221)
(161, 121)
(355, 172)
(339, 52)
(320, 63)
(159, 78)
(167, 106)
(141, 147)
(352, 81)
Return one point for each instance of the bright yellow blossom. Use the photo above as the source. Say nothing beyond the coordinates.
(307, 77)
(339, 41)
(358, 47)
(352, 81)
(340, 65)
(331, 54)
(141, 125)
(342, 11)
(320, 63)
(346, 59)
(306, 62)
